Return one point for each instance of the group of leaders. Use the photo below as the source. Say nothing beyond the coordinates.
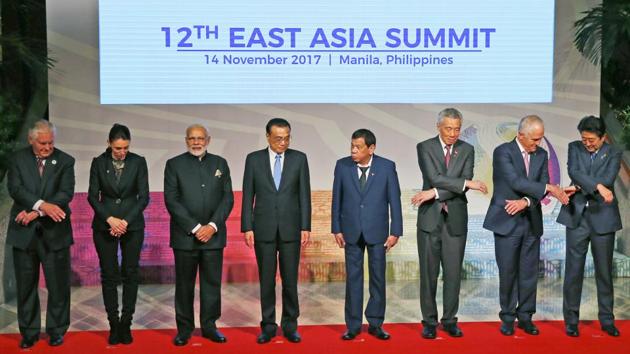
(276, 222)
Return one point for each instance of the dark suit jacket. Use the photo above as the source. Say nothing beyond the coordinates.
(449, 183)
(367, 212)
(126, 199)
(26, 187)
(510, 183)
(604, 170)
(266, 211)
(197, 192)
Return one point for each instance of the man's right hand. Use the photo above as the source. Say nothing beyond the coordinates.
(205, 233)
(249, 238)
(477, 186)
(558, 193)
(339, 239)
(53, 211)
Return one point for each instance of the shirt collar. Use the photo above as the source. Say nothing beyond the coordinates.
(369, 164)
(443, 143)
(520, 147)
(272, 154)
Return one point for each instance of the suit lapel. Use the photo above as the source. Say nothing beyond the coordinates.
(49, 167)
(354, 175)
(599, 158)
(110, 173)
(438, 154)
(517, 156)
(454, 159)
(265, 155)
(34, 172)
(535, 162)
(374, 169)
(287, 164)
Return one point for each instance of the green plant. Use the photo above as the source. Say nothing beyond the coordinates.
(623, 115)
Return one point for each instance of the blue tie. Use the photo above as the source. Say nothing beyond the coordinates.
(277, 171)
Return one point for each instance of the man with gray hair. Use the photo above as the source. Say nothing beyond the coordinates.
(447, 166)
(41, 183)
(521, 180)
(198, 196)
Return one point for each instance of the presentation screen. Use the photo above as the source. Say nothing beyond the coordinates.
(326, 51)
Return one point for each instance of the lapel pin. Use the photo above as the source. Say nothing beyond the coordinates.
(107, 171)
(603, 156)
(54, 162)
(218, 173)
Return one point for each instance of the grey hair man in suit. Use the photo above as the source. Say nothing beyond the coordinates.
(447, 166)
(276, 220)
(41, 183)
(592, 216)
(521, 180)
(198, 196)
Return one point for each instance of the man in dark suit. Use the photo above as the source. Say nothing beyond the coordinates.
(198, 196)
(521, 180)
(447, 171)
(276, 220)
(41, 183)
(592, 215)
(366, 194)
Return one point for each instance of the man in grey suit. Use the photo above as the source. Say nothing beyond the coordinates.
(592, 216)
(521, 180)
(447, 170)
(276, 220)
(41, 183)
(198, 196)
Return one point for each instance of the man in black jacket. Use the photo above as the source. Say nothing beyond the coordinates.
(198, 196)
(41, 183)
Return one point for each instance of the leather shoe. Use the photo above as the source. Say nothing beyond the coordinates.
(529, 327)
(28, 342)
(428, 332)
(378, 332)
(55, 340)
(214, 335)
(349, 335)
(293, 337)
(180, 340)
(263, 338)
(611, 330)
(507, 328)
(453, 330)
(572, 330)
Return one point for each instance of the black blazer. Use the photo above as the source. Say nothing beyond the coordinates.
(26, 187)
(449, 183)
(197, 192)
(267, 211)
(126, 199)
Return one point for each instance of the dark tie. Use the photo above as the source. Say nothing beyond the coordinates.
(447, 157)
(363, 178)
(40, 166)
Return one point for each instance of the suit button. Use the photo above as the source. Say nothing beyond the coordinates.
(118, 201)
(203, 186)
(361, 205)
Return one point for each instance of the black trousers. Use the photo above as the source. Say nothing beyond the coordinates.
(602, 246)
(56, 266)
(268, 255)
(517, 258)
(113, 273)
(210, 265)
(435, 249)
(375, 309)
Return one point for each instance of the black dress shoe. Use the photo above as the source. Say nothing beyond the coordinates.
(572, 330)
(264, 338)
(611, 330)
(378, 332)
(429, 332)
(55, 340)
(453, 330)
(349, 335)
(28, 342)
(124, 332)
(529, 327)
(507, 328)
(180, 340)
(293, 337)
(214, 335)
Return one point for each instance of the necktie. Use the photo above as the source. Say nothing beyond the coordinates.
(363, 178)
(526, 160)
(40, 166)
(593, 155)
(277, 171)
(447, 157)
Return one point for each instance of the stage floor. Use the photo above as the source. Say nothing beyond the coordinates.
(321, 303)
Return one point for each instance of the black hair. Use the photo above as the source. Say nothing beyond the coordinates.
(119, 131)
(592, 124)
(367, 136)
(277, 122)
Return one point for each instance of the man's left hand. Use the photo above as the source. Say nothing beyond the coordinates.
(306, 237)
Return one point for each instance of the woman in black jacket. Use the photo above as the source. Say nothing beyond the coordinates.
(119, 193)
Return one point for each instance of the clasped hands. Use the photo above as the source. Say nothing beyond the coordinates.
(117, 227)
(305, 237)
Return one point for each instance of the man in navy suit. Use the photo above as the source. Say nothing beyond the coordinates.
(591, 216)
(521, 180)
(366, 194)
